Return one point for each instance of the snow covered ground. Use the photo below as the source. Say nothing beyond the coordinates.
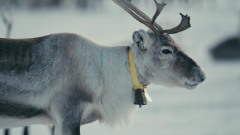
(211, 109)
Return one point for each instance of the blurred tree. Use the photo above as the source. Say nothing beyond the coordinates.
(15, 2)
(44, 3)
(85, 4)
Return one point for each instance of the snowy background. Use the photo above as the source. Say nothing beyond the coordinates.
(211, 109)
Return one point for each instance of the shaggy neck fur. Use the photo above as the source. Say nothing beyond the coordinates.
(116, 103)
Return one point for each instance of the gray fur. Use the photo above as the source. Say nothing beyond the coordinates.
(68, 80)
(17, 110)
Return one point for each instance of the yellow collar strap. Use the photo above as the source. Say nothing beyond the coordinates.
(136, 83)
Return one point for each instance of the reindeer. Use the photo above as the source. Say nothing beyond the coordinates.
(68, 80)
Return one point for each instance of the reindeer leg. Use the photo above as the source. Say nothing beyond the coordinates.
(25, 130)
(6, 131)
(52, 128)
(68, 121)
(67, 112)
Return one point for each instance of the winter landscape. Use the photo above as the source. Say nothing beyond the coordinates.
(213, 108)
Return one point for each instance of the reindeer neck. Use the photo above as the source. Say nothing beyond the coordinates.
(114, 60)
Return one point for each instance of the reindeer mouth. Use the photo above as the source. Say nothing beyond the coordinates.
(191, 86)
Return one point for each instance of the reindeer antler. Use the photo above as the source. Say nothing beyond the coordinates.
(7, 18)
(185, 24)
(150, 23)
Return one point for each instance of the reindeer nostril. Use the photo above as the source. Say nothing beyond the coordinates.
(201, 76)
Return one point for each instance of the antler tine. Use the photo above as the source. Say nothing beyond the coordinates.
(135, 9)
(185, 24)
(8, 21)
(158, 11)
(138, 15)
(150, 23)
(125, 5)
(143, 15)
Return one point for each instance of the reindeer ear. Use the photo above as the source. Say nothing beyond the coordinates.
(142, 39)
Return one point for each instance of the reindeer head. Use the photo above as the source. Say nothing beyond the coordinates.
(164, 62)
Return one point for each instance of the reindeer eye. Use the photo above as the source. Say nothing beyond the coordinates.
(166, 51)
